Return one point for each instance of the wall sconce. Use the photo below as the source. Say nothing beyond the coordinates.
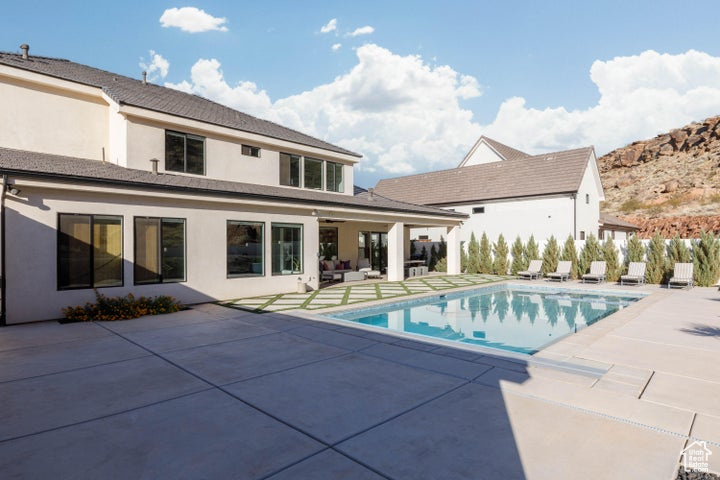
(314, 213)
(13, 190)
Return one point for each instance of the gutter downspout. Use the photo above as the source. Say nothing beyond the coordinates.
(3, 189)
(574, 197)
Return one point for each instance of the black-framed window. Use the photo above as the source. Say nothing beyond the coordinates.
(334, 177)
(478, 210)
(159, 250)
(184, 153)
(245, 249)
(313, 177)
(89, 251)
(587, 199)
(287, 249)
(289, 170)
(582, 235)
(328, 242)
(251, 151)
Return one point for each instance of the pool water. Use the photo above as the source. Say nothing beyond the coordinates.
(509, 317)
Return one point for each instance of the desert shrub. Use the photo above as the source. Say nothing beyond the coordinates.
(590, 252)
(656, 265)
(632, 205)
(612, 260)
(551, 255)
(569, 253)
(473, 255)
(120, 308)
(486, 263)
(635, 251)
(706, 254)
(518, 259)
(500, 252)
(441, 265)
(532, 251)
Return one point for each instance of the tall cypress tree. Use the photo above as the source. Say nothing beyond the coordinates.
(656, 266)
(590, 252)
(551, 255)
(442, 248)
(518, 259)
(500, 261)
(677, 251)
(635, 251)
(706, 253)
(486, 263)
(612, 260)
(532, 251)
(473, 255)
(433, 259)
(569, 253)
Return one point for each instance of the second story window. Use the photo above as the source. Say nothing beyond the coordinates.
(334, 177)
(313, 173)
(184, 153)
(289, 170)
(251, 151)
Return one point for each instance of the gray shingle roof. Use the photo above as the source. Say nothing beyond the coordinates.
(130, 91)
(508, 153)
(21, 162)
(550, 173)
(608, 220)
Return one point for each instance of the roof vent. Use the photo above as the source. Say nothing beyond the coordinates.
(25, 49)
(371, 191)
(144, 75)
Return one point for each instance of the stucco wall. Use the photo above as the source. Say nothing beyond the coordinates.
(52, 121)
(588, 214)
(31, 267)
(482, 154)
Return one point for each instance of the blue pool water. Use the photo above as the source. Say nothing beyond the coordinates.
(509, 317)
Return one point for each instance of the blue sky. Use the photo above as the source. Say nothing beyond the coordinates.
(420, 81)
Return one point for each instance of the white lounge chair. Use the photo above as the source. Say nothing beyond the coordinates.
(562, 273)
(682, 276)
(364, 266)
(533, 270)
(597, 272)
(635, 274)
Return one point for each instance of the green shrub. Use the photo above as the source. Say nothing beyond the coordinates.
(441, 265)
(677, 251)
(433, 259)
(120, 308)
(612, 260)
(500, 252)
(442, 248)
(551, 256)
(486, 263)
(518, 259)
(632, 205)
(590, 252)
(473, 255)
(569, 253)
(532, 251)
(706, 252)
(656, 265)
(635, 251)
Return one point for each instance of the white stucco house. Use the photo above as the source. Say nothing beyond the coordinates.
(504, 190)
(114, 183)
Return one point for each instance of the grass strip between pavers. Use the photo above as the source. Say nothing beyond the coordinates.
(309, 299)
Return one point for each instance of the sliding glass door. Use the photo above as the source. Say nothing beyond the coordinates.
(373, 246)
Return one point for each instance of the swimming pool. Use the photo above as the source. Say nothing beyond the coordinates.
(510, 317)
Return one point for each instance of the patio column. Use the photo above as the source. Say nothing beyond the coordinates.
(453, 250)
(395, 252)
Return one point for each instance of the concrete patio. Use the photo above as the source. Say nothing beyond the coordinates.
(214, 392)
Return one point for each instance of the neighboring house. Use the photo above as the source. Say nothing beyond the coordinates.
(504, 190)
(113, 183)
(615, 228)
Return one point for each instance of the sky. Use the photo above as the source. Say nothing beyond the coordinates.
(410, 85)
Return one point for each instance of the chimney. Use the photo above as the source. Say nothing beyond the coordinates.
(144, 75)
(25, 49)
(154, 162)
(371, 191)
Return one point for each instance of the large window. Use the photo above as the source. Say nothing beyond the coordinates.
(313, 173)
(287, 257)
(289, 170)
(334, 177)
(90, 252)
(251, 151)
(159, 250)
(184, 153)
(245, 249)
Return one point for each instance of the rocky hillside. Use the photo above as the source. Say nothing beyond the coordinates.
(670, 183)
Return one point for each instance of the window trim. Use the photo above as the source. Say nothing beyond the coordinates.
(251, 148)
(322, 173)
(478, 210)
(327, 164)
(92, 252)
(185, 136)
(302, 247)
(160, 252)
(301, 172)
(262, 246)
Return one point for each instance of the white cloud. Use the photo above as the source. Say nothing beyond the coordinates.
(336, 47)
(405, 115)
(329, 27)
(157, 65)
(366, 30)
(193, 20)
